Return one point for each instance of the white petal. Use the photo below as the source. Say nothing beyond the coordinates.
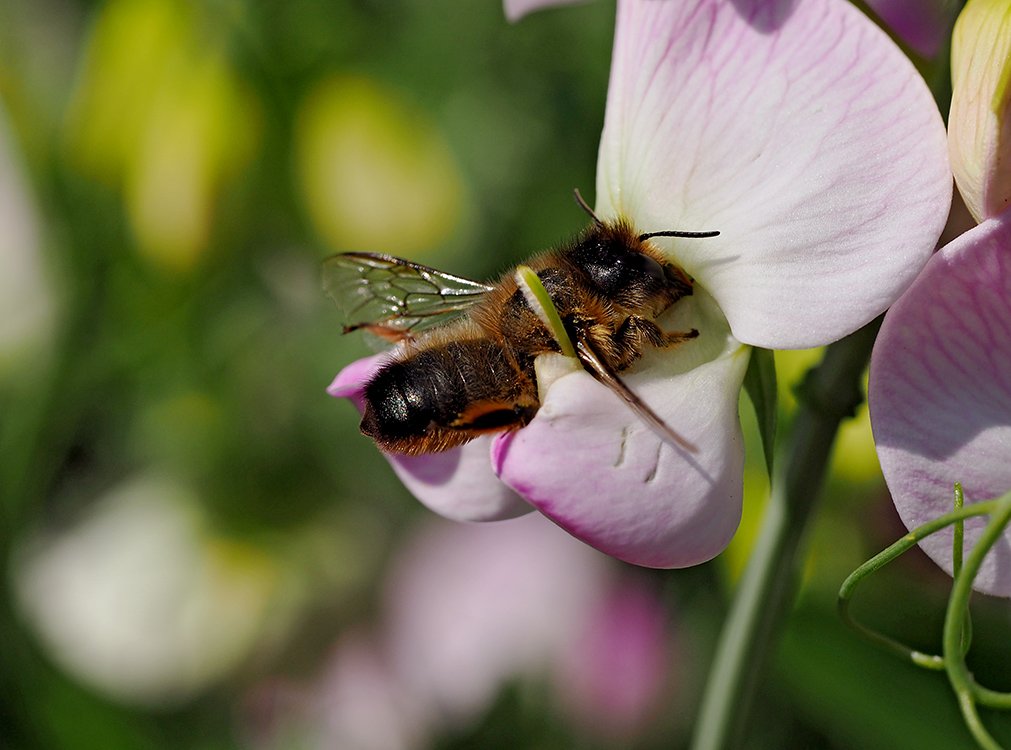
(516, 9)
(796, 129)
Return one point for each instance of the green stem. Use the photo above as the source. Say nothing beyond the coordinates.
(956, 517)
(957, 552)
(830, 393)
(958, 607)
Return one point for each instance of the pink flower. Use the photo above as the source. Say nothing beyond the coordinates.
(922, 24)
(613, 677)
(468, 609)
(940, 385)
(802, 134)
(940, 392)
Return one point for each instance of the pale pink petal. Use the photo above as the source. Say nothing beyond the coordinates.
(591, 465)
(361, 704)
(350, 382)
(613, 676)
(796, 129)
(470, 607)
(922, 24)
(458, 484)
(516, 9)
(940, 391)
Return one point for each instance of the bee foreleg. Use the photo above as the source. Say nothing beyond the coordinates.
(636, 332)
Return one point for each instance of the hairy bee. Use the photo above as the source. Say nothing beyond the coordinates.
(465, 364)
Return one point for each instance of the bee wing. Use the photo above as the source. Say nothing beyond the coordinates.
(392, 296)
(599, 369)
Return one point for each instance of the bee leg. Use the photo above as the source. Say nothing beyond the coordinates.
(387, 333)
(673, 338)
(635, 332)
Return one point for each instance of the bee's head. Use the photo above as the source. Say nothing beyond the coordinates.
(613, 259)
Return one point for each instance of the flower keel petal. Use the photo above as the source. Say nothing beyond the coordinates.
(590, 465)
(458, 484)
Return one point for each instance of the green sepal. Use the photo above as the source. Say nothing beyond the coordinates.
(539, 299)
(760, 383)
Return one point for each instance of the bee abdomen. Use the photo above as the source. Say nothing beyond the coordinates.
(441, 397)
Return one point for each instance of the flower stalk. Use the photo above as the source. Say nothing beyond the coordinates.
(830, 393)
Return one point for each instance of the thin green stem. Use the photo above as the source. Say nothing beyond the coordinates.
(972, 721)
(957, 552)
(961, 679)
(956, 517)
(958, 540)
(830, 393)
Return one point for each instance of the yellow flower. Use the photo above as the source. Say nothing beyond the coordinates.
(979, 126)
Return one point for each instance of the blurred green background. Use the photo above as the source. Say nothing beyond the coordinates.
(189, 522)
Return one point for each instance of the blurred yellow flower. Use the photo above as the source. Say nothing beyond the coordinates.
(160, 114)
(374, 172)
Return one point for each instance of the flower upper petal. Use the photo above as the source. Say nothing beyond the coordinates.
(940, 392)
(801, 133)
(458, 484)
(589, 463)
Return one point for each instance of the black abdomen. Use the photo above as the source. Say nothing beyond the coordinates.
(445, 395)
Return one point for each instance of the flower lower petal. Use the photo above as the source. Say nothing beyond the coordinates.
(940, 392)
(589, 463)
(801, 133)
(458, 484)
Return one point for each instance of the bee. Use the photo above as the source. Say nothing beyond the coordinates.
(464, 361)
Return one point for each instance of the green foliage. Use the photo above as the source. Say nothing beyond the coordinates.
(194, 353)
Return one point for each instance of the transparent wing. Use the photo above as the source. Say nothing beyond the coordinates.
(385, 293)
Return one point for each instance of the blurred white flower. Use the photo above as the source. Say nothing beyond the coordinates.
(138, 600)
(26, 300)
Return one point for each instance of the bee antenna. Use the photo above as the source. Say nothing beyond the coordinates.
(676, 233)
(586, 207)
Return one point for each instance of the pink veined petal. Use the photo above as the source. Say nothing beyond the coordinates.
(516, 9)
(590, 465)
(922, 24)
(458, 484)
(940, 392)
(796, 129)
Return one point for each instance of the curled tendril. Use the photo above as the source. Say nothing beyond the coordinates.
(957, 624)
